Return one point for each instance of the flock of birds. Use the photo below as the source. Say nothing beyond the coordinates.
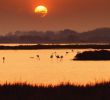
(54, 55)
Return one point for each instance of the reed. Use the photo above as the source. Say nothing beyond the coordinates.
(24, 91)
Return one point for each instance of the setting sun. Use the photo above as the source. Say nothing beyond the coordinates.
(41, 10)
(54, 49)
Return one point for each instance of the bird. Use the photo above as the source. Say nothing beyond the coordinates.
(31, 57)
(67, 53)
(51, 56)
(3, 59)
(61, 57)
(57, 56)
(38, 57)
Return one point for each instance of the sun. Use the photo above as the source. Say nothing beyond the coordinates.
(41, 10)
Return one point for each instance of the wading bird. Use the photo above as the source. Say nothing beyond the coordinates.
(3, 59)
(38, 57)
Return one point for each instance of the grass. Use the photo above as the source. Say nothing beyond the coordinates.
(19, 91)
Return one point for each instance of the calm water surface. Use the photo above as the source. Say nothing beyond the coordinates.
(24, 66)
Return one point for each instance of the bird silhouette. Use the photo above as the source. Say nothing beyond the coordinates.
(3, 59)
(38, 57)
(51, 56)
(61, 58)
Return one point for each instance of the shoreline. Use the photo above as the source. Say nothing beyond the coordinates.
(39, 46)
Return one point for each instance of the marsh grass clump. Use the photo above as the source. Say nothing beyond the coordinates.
(19, 91)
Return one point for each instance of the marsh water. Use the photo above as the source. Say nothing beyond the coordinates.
(26, 66)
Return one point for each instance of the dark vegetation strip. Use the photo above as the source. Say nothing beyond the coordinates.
(32, 47)
(99, 91)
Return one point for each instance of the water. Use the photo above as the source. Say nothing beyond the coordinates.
(24, 66)
(10, 44)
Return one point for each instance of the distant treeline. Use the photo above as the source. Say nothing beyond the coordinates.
(101, 35)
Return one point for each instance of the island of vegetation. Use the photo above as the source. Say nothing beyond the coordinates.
(93, 55)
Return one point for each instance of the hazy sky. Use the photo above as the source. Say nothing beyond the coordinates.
(80, 15)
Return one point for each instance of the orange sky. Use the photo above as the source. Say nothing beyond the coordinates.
(80, 15)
